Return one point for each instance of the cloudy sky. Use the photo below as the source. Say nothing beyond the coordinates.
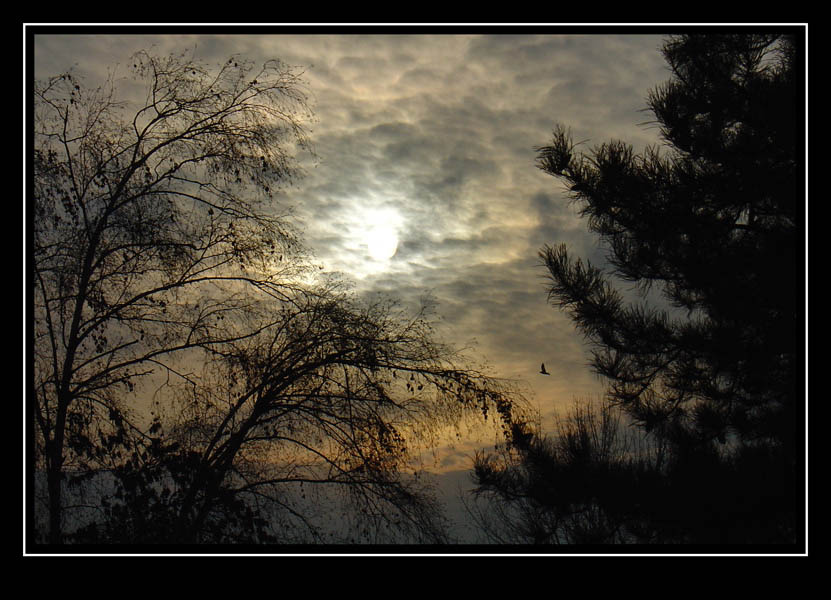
(426, 182)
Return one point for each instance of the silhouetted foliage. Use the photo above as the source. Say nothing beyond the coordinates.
(317, 412)
(588, 483)
(148, 214)
(712, 222)
(183, 347)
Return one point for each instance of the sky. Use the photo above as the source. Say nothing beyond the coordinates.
(425, 180)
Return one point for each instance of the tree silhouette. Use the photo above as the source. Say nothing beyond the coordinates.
(326, 402)
(148, 217)
(181, 344)
(712, 222)
(588, 483)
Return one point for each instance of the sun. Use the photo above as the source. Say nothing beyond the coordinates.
(370, 232)
(382, 243)
(380, 234)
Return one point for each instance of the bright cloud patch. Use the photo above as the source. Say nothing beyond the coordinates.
(381, 233)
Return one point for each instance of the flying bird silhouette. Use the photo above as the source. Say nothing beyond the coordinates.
(543, 371)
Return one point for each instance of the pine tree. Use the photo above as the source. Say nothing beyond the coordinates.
(711, 220)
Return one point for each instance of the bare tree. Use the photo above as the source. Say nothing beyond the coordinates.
(150, 219)
(322, 406)
(159, 258)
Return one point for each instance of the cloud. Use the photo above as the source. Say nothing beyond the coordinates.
(442, 128)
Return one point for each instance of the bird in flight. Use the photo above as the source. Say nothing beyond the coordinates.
(543, 371)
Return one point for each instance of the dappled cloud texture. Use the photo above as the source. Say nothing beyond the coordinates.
(437, 134)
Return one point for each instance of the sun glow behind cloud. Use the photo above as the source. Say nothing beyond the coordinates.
(381, 233)
(372, 233)
(426, 179)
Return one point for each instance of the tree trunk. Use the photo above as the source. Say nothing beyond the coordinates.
(54, 477)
